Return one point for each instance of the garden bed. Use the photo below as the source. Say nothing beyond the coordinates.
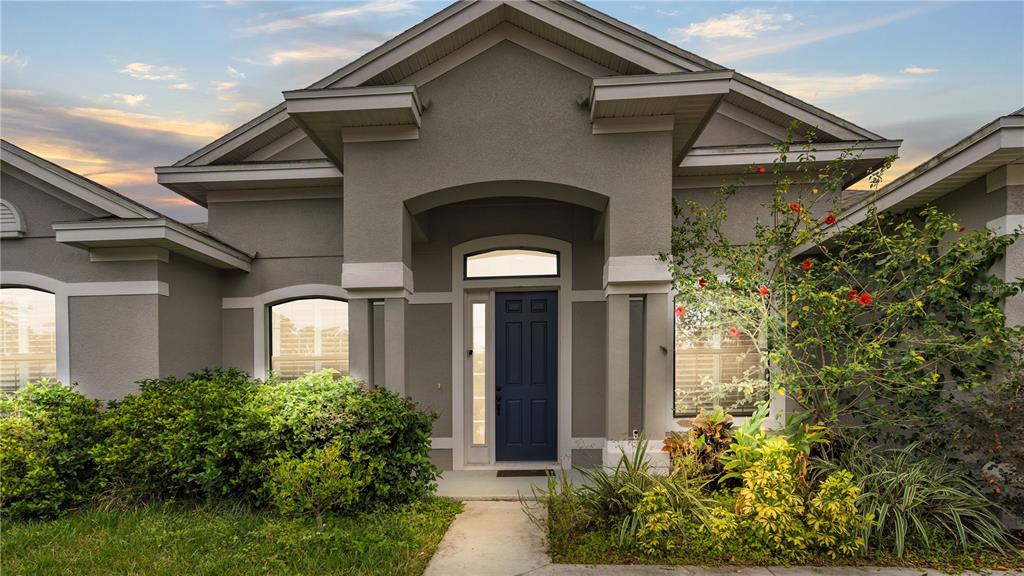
(172, 539)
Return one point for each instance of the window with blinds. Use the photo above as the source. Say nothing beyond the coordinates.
(28, 337)
(714, 370)
(308, 335)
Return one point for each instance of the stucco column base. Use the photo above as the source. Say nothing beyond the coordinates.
(360, 339)
(394, 344)
(614, 450)
(617, 409)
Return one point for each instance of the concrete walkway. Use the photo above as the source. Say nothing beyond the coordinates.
(497, 539)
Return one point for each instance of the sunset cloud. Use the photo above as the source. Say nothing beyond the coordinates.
(139, 121)
(313, 54)
(815, 87)
(143, 71)
(235, 73)
(127, 99)
(330, 17)
(917, 70)
(745, 23)
(181, 86)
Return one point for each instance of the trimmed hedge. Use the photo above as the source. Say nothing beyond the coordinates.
(215, 435)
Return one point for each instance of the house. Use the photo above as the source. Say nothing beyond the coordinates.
(469, 214)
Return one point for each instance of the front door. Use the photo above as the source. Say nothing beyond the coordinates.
(526, 374)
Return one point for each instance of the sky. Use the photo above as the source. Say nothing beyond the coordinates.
(112, 89)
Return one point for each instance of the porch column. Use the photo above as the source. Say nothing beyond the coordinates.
(617, 410)
(394, 344)
(360, 339)
(659, 343)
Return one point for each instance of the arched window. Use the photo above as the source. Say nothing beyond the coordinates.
(512, 262)
(307, 335)
(28, 337)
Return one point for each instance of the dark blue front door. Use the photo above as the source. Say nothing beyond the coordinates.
(526, 379)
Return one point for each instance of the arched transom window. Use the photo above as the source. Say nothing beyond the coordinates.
(28, 337)
(511, 263)
(308, 335)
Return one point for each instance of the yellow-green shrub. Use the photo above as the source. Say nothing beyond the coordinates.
(836, 525)
(656, 535)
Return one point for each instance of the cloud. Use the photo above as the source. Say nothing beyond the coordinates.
(138, 121)
(181, 86)
(812, 87)
(330, 17)
(736, 52)
(235, 73)
(126, 99)
(17, 92)
(143, 71)
(917, 70)
(16, 60)
(233, 103)
(314, 53)
(745, 23)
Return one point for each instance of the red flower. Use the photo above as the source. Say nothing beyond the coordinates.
(829, 220)
(962, 229)
(734, 333)
(680, 310)
(702, 282)
(760, 169)
(763, 290)
(853, 294)
(806, 264)
(865, 299)
(795, 207)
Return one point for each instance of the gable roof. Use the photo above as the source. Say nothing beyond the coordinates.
(116, 212)
(567, 24)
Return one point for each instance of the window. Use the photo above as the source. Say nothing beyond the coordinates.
(308, 335)
(28, 343)
(479, 367)
(511, 262)
(715, 368)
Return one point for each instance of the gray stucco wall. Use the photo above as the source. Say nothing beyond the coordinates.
(190, 317)
(507, 114)
(237, 339)
(428, 345)
(114, 342)
(589, 341)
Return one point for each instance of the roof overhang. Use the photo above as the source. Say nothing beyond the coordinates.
(152, 232)
(863, 157)
(996, 145)
(84, 193)
(682, 102)
(361, 114)
(194, 182)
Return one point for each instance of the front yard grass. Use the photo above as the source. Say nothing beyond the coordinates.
(172, 539)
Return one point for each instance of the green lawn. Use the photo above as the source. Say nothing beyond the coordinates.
(177, 539)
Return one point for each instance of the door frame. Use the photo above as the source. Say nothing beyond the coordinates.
(465, 292)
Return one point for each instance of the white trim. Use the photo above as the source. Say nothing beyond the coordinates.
(460, 285)
(635, 270)
(259, 305)
(15, 229)
(633, 124)
(60, 292)
(516, 35)
(746, 155)
(442, 443)
(160, 232)
(1006, 225)
(277, 146)
(125, 288)
(73, 184)
(128, 254)
(589, 443)
(431, 298)
(377, 276)
(359, 99)
(354, 134)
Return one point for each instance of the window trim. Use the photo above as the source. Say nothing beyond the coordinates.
(269, 326)
(556, 253)
(694, 413)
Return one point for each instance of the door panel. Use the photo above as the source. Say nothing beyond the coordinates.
(526, 376)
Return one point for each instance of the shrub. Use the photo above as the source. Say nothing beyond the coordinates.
(377, 431)
(182, 438)
(698, 452)
(46, 433)
(836, 525)
(322, 480)
(918, 502)
(768, 504)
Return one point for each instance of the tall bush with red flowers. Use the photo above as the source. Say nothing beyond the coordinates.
(875, 327)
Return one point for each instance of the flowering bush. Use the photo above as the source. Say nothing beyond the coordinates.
(871, 327)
